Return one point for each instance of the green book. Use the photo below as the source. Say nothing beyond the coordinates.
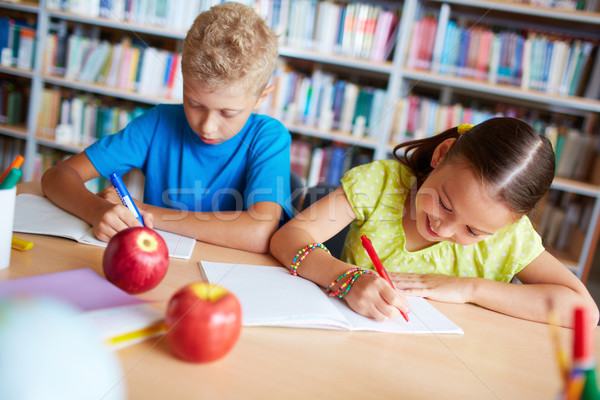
(16, 37)
(14, 108)
(560, 142)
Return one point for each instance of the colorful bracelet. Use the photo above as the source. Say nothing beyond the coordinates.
(301, 255)
(347, 285)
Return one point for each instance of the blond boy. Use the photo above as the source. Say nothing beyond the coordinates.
(214, 170)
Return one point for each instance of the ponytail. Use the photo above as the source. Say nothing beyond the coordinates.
(417, 154)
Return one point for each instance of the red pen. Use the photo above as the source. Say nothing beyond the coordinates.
(366, 242)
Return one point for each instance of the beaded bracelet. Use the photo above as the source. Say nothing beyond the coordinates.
(301, 255)
(347, 285)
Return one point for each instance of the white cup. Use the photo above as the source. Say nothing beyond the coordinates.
(7, 214)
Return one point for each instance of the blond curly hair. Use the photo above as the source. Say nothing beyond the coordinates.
(229, 44)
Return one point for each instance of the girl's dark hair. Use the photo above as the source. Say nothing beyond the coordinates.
(506, 153)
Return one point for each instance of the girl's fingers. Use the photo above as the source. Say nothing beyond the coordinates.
(386, 310)
(396, 299)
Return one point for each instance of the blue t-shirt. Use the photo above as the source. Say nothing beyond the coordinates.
(184, 173)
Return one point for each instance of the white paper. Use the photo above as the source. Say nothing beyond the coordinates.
(38, 215)
(271, 296)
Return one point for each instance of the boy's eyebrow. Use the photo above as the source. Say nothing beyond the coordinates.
(452, 207)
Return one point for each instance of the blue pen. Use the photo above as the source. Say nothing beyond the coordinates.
(117, 182)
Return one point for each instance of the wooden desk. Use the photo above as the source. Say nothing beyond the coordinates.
(498, 357)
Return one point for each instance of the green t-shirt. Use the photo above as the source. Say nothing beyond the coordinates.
(377, 192)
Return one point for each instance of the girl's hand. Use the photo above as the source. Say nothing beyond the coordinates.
(373, 297)
(445, 288)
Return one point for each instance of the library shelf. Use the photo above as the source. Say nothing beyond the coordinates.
(16, 71)
(528, 9)
(106, 90)
(503, 90)
(19, 132)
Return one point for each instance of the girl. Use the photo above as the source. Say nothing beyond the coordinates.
(448, 220)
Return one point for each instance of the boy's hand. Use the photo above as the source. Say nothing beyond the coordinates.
(438, 287)
(110, 194)
(115, 216)
(373, 297)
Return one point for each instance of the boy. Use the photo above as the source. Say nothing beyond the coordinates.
(213, 170)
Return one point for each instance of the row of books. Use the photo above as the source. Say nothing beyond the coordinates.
(17, 43)
(359, 30)
(418, 117)
(128, 65)
(562, 219)
(324, 101)
(531, 60)
(580, 5)
(169, 14)
(76, 119)
(577, 153)
(353, 29)
(13, 100)
(316, 164)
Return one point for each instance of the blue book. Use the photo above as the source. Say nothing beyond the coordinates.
(275, 15)
(105, 6)
(517, 61)
(455, 50)
(547, 62)
(504, 69)
(338, 101)
(340, 34)
(447, 47)
(464, 50)
(167, 68)
(336, 165)
(4, 31)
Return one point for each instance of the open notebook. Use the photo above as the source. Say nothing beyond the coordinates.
(36, 214)
(270, 296)
(119, 318)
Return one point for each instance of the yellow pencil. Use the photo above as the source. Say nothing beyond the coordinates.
(561, 355)
(20, 244)
(143, 333)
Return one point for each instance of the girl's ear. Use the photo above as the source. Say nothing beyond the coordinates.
(268, 90)
(441, 150)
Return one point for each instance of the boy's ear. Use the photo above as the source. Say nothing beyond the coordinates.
(268, 90)
(441, 150)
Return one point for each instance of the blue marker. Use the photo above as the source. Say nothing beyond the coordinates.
(117, 182)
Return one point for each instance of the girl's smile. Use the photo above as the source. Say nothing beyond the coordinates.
(430, 228)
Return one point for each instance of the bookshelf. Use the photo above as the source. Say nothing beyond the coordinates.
(309, 50)
(430, 69)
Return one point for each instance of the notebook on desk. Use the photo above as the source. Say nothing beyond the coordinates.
(38, 215)
(271, 296)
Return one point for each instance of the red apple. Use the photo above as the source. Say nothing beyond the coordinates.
(136, 259)
(203, 322)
